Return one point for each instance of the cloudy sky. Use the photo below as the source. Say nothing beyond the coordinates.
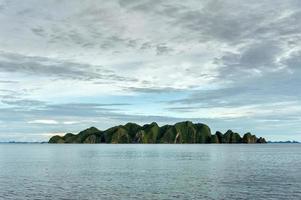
(68, 65)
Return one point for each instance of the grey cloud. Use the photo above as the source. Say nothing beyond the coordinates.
(248, 93)
(260, 55)
(258, 59)
(145, 5)
(185, 109)
(242, 25)
(3, 5)
(235, 23)
(88, 106)
(27, 109)
(211, 98)
(293, 61)
(214, 21)
(211, 20)
(152, 89)
(163, 49)
(15, 63)
(22, 102)
(10, 95)
(38, 31)
(132, 43)
(146, 45)
(8, 82)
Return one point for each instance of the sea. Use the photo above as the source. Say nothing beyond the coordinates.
(150, 171)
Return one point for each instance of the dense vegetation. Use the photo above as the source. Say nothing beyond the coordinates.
(182, 132)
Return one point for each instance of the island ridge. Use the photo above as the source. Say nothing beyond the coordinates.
(180, 133)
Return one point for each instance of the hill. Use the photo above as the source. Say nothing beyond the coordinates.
(180, 133)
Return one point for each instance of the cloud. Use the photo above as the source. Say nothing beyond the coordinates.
(52, 122)
(260, 55)
(16, 63)
(293, 61)
(43, 121)
(153, 89)
(8, 82)
(228, 63)
(71, 122)
(162, 49)
(22, 102)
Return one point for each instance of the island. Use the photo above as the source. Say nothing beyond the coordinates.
(180, 133)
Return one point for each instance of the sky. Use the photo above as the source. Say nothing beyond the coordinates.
(69, 65)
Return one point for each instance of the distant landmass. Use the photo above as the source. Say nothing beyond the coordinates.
(284, 142)
(179, 133)
(22, 142)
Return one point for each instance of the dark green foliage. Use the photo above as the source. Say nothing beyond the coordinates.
(69, 138)
(84, 136)
(261, 140)
(187, 132)
(214, 139)
(108, 133)
(132, 129)
(150, 133)
(203, 133)
(169, 136)
(220, 137)
(182, 132)
(56, 139)
(249, 138)
(121, 135)
(139, 137)
(162, 132)
(231, 137)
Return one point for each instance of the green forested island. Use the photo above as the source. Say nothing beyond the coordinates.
(180, 133)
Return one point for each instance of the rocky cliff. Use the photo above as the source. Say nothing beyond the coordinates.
(179, 133)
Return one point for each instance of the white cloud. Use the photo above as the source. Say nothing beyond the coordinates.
(71, 122)
(50, 134)
(43, 121)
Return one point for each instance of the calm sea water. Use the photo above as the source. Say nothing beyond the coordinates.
(44, 171)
